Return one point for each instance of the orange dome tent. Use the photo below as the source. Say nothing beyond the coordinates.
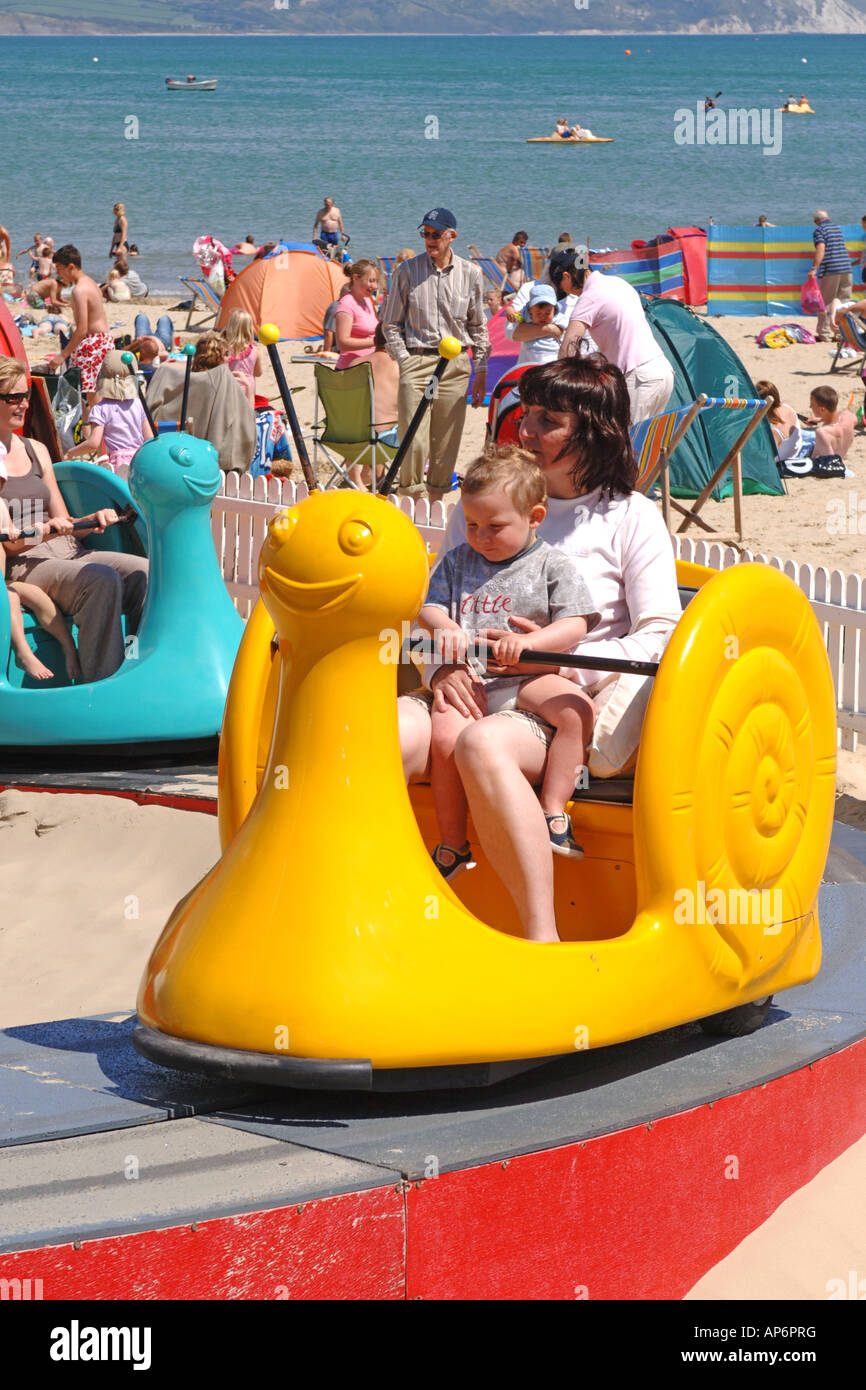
(292, 287)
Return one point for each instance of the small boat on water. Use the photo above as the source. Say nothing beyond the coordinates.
(570, 140)
(191, 84)
(798, 108)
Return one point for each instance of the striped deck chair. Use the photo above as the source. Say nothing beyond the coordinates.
(210, 302)
(386, 265)
(853, 333)
(498, 279)
(655, 440)
(534, 259)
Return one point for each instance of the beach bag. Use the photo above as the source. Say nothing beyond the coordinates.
(811, 298)
(66, 408)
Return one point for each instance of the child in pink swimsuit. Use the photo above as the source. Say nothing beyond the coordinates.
(244, 361)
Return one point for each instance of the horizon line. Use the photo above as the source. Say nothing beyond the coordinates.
(445, 34)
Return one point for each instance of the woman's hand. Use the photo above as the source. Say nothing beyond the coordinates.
(107, 517)
(57, 526)
(456, 688)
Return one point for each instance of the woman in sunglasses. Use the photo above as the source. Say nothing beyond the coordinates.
(576, 424)
(93, 588)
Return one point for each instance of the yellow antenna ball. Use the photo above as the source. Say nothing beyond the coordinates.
(268, 334)
(449, 347)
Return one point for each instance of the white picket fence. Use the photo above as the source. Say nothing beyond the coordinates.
(243, 508)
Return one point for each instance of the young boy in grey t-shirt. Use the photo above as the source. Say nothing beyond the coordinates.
(505, 570)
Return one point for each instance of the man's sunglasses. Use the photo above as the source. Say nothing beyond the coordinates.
(428, 235)
(13, 397)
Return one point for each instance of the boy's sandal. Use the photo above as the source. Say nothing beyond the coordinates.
(450, 862)
(561, 840)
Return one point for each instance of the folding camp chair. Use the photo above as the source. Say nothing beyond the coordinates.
(210, 301)
(853, 335)
(349, 403)
(655, 440)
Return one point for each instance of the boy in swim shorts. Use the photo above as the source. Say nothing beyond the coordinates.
(505, 570)
(91, 342)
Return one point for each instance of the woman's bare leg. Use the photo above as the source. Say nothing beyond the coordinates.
(564, 705)
(415, 731)
(500, 760)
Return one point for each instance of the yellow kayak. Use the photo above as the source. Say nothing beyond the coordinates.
(558, 140)
(798, 110)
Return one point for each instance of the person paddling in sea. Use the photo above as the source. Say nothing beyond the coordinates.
(119, 242)
(91, 341)
(332, 225)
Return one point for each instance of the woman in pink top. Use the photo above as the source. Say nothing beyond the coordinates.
(576, 425)
(356, 317)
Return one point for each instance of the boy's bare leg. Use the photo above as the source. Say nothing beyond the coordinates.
(570, 711)
(27, 659)
(49, 617)
(449, 797)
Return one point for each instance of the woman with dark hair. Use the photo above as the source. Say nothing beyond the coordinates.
(576, 424)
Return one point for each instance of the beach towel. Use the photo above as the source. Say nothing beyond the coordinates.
(218, 410)
(777, 335)
(824, 466)
(271, 441)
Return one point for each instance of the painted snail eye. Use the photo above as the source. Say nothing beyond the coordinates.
(282, 527)
(356, 537)
(181, 455)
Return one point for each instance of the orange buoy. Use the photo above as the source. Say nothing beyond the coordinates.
(628, 52)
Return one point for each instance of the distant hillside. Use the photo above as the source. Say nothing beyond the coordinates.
(427, 16)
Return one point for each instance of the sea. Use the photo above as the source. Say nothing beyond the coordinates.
(391, 127)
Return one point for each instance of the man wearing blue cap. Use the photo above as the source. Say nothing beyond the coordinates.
(435, 295)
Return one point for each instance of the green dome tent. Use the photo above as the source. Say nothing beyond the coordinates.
(703, 362)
